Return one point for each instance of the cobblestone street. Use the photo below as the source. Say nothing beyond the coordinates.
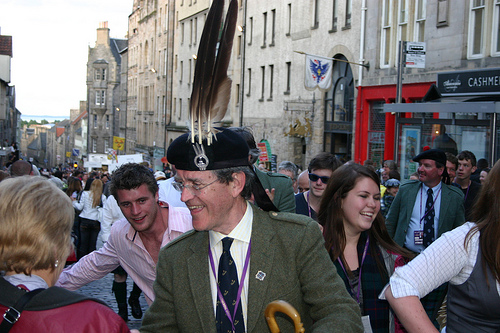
(101, 289)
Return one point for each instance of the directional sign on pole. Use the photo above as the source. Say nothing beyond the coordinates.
(415, 55)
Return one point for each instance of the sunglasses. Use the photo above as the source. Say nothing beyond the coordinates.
(314, 178)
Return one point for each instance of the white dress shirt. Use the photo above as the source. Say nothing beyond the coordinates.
(241, 234)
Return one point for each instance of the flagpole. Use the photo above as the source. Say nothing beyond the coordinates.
(367, 66)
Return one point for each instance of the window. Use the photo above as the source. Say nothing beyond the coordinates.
(182, 71)
(249, 81)
(189, 78)
(165, 61)
(100, 74)
(334, 16)
(238, 46)
(289, 25)
(107, 121)
(191, 32)
(94, 145)
(250, 35)
(180, 108)
(271, 76)
(182, 33)
(419, 20)
(273, 22)
(195, 30)
(95, 121)
(100, 97)
(106, 145)
(348, 14)
(495, 43)
(385, 47)
(476, 22)
(376, 133)
(237, 94)
(315, 24)
(263, 76)
(288, 77)
(264, 33)
(403, 20)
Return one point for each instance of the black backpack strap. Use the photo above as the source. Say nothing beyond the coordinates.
(11, 316)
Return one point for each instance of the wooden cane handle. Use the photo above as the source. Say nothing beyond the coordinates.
(286, 308)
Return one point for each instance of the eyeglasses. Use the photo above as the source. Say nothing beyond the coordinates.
(314, 178)
(194, 189)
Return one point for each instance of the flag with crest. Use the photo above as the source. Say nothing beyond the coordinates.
(318, 72)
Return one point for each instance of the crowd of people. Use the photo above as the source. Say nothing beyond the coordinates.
(403, 250)
(351, 247)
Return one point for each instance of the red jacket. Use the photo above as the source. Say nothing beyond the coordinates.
(86, 316)
(57, 310)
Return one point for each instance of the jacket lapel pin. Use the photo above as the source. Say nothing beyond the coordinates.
(260, 275)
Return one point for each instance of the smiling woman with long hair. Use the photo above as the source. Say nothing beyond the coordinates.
(357, 240)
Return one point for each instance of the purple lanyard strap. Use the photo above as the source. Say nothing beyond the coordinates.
(360, 268)
(240, 288)
(433, 203)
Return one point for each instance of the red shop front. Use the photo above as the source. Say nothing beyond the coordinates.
(375, 131)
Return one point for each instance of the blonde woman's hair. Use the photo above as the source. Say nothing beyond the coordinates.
(96, 192)
(36, 219)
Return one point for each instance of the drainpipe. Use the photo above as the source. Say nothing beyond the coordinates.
(362, 42)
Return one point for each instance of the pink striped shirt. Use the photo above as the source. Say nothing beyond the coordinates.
(126, 249)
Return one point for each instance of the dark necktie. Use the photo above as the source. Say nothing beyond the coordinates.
(228, 284)
(429, 219)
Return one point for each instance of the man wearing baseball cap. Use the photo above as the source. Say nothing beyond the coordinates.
(266, 255)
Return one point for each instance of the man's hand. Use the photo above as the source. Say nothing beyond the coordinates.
(270, 194)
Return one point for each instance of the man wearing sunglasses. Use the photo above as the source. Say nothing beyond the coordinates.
(320, 170)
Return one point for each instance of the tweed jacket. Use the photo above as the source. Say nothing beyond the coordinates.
(451, 214)
(284, 198)
(288, 247)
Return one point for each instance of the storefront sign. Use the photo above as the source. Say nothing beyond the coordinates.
(264, 154)
(474, 82)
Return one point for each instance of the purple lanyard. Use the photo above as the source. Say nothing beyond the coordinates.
(240, 288)
(427, 212)
(360, 268)
(308, 205)
(466, 194)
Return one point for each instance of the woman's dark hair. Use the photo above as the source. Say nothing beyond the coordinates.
(88, 183)
(486, 213)
(74, 185)
(331, 215)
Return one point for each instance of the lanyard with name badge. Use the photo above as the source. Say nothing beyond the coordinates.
(418, 235)
(240, 288)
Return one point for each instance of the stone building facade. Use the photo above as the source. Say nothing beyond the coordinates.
(150, 62)
(103, 90)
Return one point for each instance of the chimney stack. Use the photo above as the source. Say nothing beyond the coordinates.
(103, 34)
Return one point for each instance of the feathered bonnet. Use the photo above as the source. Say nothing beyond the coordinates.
(208, 147)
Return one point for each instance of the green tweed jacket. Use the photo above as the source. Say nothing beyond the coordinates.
(284, 198)
(289, 248)
(451, 215)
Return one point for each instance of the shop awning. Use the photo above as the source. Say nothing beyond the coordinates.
(434, 102)
(443, 105)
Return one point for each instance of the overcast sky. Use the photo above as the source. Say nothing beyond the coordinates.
(50, 41)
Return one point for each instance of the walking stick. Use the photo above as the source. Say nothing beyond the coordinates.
(286, 308)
